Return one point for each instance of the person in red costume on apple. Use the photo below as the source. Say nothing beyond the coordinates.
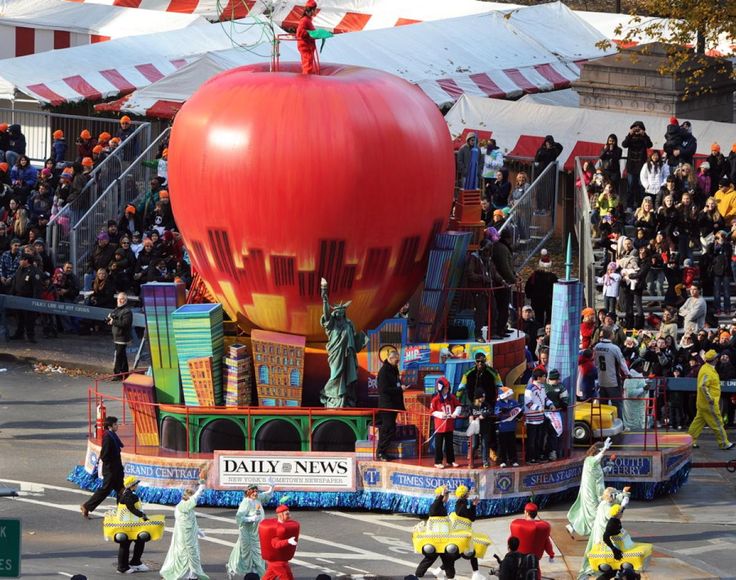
(278, 538)
(533, 534)
(304, 42)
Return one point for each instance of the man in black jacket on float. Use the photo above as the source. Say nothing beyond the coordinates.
(112, 467)
(121, 320)
(390, 396)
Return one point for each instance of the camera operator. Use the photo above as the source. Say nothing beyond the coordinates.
(121, 320)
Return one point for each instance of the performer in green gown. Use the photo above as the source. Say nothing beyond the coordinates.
(246, 554)
(611, 496)
(582, 513)
(183, 560)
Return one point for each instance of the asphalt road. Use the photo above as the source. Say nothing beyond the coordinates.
(43, 421)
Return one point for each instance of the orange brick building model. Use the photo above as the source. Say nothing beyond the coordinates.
(278, 360)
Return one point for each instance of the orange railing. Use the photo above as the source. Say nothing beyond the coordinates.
(118, 405)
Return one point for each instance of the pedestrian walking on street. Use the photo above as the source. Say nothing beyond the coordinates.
(112, 467)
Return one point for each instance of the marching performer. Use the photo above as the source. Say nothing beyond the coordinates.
(129, 509)
(183, 559)
(466, 509)
(279, 538)
(582, 513)
(246, 555)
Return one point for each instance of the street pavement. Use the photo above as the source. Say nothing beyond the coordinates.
(43, 425)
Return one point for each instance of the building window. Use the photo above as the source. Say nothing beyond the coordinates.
(263, 374)
(294, 378)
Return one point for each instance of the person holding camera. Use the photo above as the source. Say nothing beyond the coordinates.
(636, 143)
(121, 320)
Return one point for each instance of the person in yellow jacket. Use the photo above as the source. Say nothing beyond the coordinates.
(726, 199)
(707, 403)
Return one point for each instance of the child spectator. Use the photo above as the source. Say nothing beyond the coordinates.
(481, 413)
(507, 412)
(704, 179)
(611, 281)
(58, 147)
(587, 327)
(690, 273)
(587, 377)
(444, 408)
(85, 145)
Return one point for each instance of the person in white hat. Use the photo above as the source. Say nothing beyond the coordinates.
(507, 411)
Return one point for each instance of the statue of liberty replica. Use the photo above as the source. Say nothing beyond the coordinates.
(343, 345)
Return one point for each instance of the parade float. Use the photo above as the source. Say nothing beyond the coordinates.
(313, 208)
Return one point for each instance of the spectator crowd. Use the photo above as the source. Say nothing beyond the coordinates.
(141, 245)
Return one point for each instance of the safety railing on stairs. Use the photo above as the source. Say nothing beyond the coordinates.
(129, 185)
(584, 234)
(532, 217)
(102, 176)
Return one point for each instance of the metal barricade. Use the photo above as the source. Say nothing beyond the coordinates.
(532, 218)
(38, 127)
(105, 174)
(584, 233)
(130, 184)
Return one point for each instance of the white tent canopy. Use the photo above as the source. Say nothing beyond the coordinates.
(32, 26)
(520, 127)
(486, 55)
(120, 66)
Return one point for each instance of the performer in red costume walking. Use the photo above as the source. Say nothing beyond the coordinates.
(533, 534)
(304, 42)
(279, 538)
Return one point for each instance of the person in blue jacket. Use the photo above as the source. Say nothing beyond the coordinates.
(507, 412)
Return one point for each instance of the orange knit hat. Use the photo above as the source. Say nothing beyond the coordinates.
(163, 194)
(97, 149)
(104, 137)
(85, 134)
(124, 119)
(87, 162)
(58, 134)
(715, 147)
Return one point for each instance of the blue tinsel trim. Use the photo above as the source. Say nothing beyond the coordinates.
(373, 500)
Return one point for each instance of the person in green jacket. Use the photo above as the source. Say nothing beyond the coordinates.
(246, 554)
(183, 559)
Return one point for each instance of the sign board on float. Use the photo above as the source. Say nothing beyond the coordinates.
(287, 470)
(10, 548)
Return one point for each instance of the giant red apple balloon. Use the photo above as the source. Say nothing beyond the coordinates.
(278, 179)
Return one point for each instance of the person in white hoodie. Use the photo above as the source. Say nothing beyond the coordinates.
(611, 281)
(654, 173)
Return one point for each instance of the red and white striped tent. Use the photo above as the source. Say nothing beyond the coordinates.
(489, 55)
(334, 15)
(354, 15)
(32, 26)
(519, 128)
(109, 69)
